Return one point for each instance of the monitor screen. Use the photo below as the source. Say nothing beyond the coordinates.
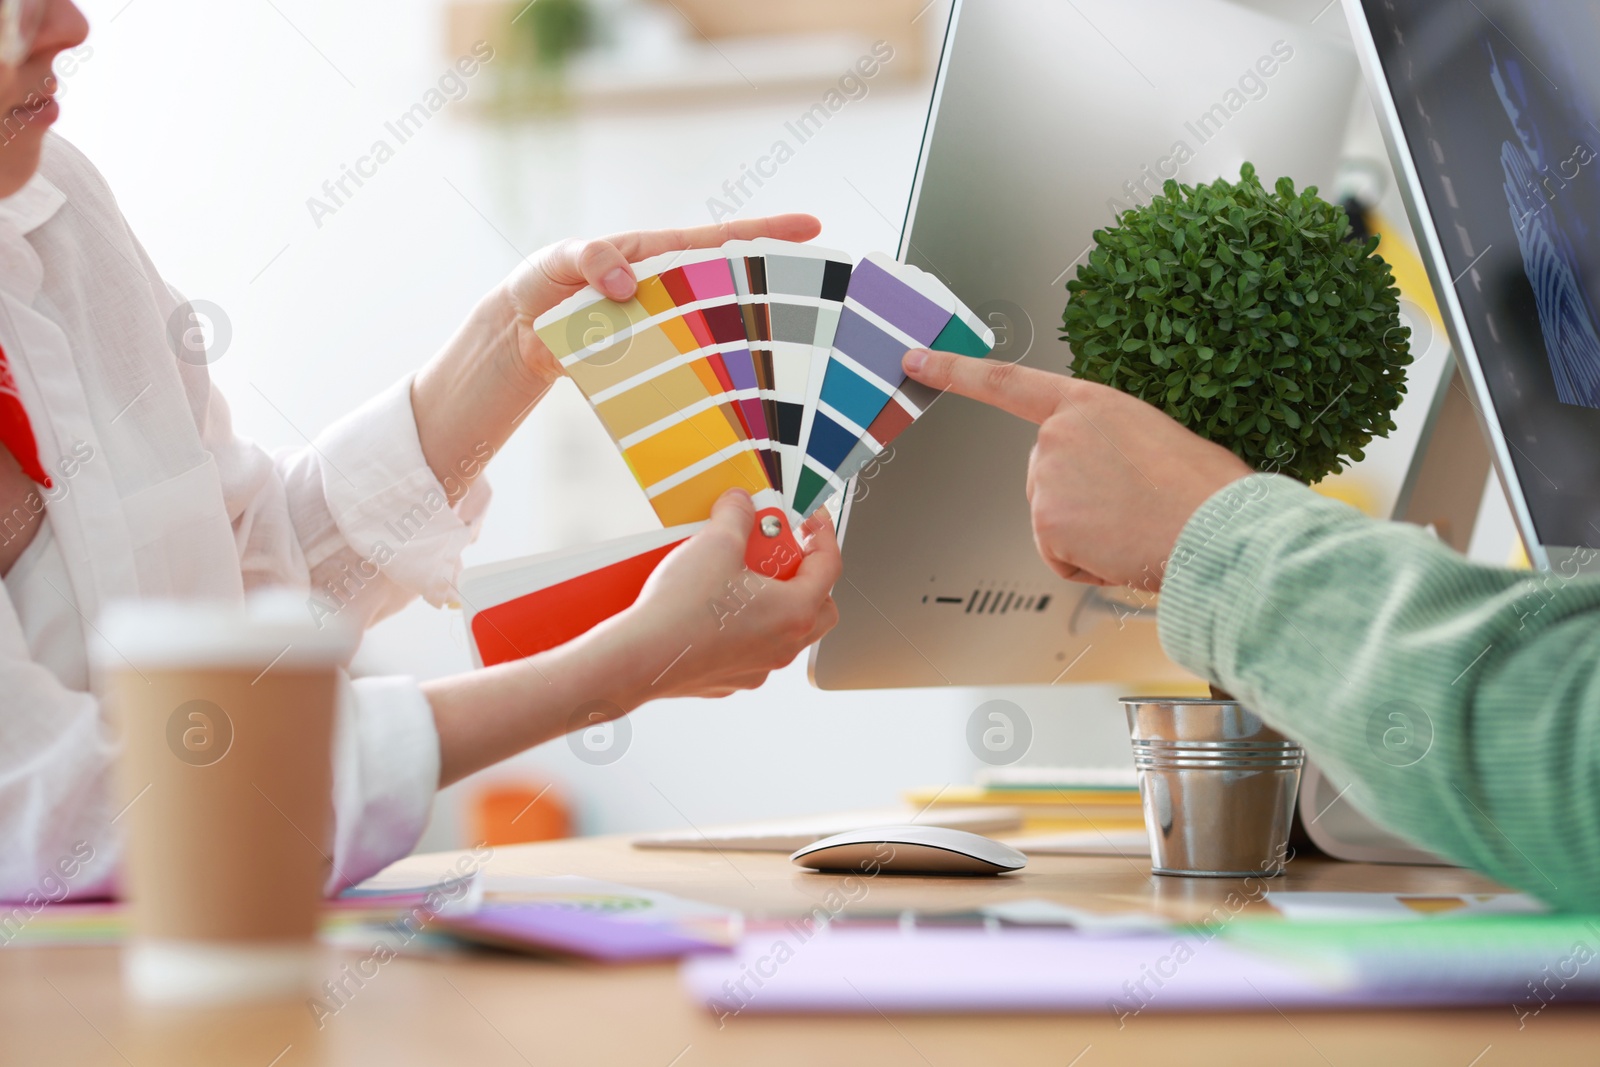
(1040, 130)
(1499, 102)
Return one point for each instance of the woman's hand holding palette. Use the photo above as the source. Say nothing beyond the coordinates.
(763, 365)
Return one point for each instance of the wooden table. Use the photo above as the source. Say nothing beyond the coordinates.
(65, 1005)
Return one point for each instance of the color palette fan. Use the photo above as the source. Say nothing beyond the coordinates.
(762, 365)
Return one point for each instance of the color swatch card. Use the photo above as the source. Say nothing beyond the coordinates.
(866, 400)
(521, 607)
(763, 365)
(790, 297)
(656, 368)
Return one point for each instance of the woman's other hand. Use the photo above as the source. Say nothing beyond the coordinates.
(703, 626)
(706, 626)
(471, 396)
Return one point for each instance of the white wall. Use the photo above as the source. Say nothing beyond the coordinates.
(215, 122)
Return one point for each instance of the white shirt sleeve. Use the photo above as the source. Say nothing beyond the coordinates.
(364, 502)
(360, 520)
(385, 772)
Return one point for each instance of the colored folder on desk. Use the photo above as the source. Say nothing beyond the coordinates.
(1267, 966)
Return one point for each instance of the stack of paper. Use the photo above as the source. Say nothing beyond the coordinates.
(1047, 808)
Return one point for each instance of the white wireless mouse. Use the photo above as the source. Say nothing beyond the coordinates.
(910, 850)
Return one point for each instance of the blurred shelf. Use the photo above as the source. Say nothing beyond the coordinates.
(700, 52)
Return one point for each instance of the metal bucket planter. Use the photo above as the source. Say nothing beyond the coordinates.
(1218, 787)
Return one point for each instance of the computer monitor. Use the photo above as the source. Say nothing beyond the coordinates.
(1491, 110)
(1047, 119)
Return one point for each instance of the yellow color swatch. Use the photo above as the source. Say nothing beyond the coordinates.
(691, 501)
(651, 401)
(653, 296)
(678, 332)
(627, 358)
(680, 445)
(590, 325)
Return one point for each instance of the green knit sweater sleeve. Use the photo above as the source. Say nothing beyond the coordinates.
(1462, 702)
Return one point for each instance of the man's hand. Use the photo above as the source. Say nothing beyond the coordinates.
(1111, 481)
(557, 271)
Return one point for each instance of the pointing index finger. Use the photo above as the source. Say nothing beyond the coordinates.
(1025, 392)
(646, 243)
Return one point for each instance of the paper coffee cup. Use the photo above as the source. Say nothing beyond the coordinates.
(225, 713)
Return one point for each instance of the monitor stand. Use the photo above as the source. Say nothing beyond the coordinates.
(1443, 489)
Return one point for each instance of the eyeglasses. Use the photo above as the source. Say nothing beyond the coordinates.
(19, 26)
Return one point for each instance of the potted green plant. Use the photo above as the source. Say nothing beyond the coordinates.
(1250, 317)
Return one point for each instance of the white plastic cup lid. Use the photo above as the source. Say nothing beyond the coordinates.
(274, 626)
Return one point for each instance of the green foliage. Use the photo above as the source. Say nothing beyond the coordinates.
(1247, 316)
(558, 28)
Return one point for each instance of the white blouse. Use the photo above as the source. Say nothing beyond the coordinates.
(156, 496)
(38, 585)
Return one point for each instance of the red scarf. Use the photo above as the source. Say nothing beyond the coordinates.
(16, 432)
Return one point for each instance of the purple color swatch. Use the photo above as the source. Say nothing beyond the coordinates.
(869, 346)
(895, 301)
